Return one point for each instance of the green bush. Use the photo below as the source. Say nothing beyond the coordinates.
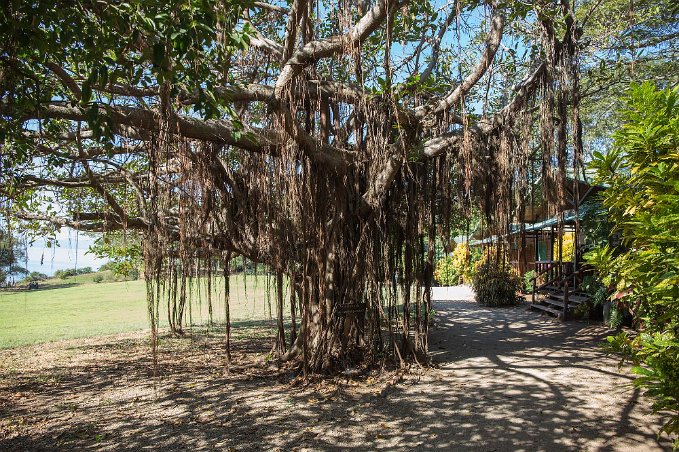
(124, 270)
(641, 173)
(597, 293)
(98, 278)
(84, 270)
(132, 274)
(65, 274)
(495, 283)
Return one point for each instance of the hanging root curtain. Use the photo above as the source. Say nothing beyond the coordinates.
(338, 180)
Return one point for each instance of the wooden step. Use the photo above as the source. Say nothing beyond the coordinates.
(542, 307)
(560, 304)
(571, 298)
(550, 289)
(557, 299)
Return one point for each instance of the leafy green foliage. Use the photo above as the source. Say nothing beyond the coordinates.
(69, 272)
(528, 282)
(495, 283)
(135, 43)
(596, 290)
(123, 249)
(595, 225)
(642, 173)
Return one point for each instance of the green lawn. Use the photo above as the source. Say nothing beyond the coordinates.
(78, 307)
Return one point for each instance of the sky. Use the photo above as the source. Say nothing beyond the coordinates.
(71, 253)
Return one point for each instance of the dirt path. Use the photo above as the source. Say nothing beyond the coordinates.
(507, 379)
(511, 379)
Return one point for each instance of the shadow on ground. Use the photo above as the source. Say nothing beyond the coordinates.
(506, 379)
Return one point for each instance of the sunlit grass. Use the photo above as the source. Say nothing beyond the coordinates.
(78, 307)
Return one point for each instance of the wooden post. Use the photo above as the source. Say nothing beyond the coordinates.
(565, 301)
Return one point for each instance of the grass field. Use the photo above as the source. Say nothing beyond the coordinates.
(78, 307)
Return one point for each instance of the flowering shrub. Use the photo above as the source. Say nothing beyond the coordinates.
(445, 273)
(457, 268)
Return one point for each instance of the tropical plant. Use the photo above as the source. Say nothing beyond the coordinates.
(597, 293)
(642, 198)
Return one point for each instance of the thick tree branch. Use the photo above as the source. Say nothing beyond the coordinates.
(299, 9)
(492, 44)
(215, 130)
(436, 46)
(66, 79)
(270, 7)
(99, 222)
(315, 50)
(441, 144)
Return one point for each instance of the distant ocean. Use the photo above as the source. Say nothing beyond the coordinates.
(71, 253)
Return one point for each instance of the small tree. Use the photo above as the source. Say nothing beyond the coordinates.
(642, 198)
(11, 254)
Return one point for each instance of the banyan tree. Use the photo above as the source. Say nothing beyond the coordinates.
(330, 141)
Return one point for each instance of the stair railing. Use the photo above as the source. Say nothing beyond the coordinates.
(548, 271)
(565, 301)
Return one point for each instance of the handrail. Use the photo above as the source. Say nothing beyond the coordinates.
(565, 301)
(535, 282)
(560, 280)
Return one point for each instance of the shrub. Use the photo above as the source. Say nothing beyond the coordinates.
(132, 274)
(595, 288)
(463, 261)
(495, 283)
(642, 199)
(568, 251)
(107, 266)
(598, 294)
(122, 270)
(98, 278)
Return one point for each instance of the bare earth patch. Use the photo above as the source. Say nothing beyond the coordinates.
(505, 379)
